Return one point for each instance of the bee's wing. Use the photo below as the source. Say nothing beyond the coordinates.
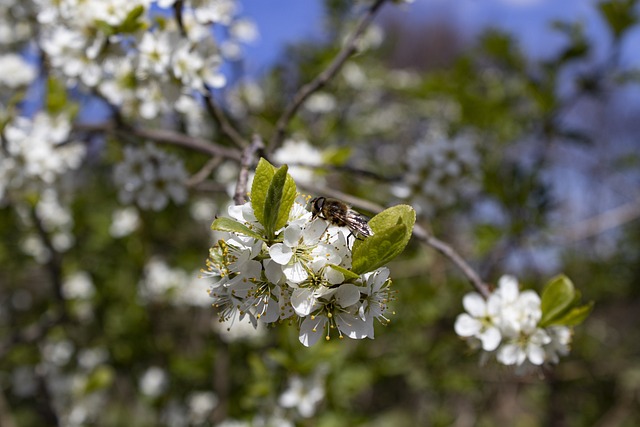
(358, 223)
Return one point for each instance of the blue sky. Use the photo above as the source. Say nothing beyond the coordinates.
(285, 21)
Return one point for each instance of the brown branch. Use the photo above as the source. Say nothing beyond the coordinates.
(164, 136)
(54, 264)
(446, 250)
(419, 233)
(350, 46)
(248, 160)
(347, 169)
(203, 173)
(220, 117)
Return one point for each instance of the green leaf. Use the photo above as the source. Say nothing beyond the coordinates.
(392, 230)
(56, 96)
(336, 156)
(377, 250)
(233, 226)
(619, 14)
(278, 202)
(289, 193)
(575, 316)
(348, 274)
(557, 296)
(261, 182)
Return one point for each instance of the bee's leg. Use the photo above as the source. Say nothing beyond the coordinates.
(351, 235)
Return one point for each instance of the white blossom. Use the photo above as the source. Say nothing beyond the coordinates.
(298, 276)
(150, 177)
(16, 72)
(304, 394)
(506, 325)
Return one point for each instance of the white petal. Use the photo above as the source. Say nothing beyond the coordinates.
(508, 354)
(351, 326)
(273, 271)
(273, 312)
(508, 286)
(311, 330)
(347, 295)
(467, 326)
(313, 231)
(292, 235)
(295, 273)
(303, 301)
(535, 354)
(474, 304)
(490, 339)
(333, 276)
(281, 253)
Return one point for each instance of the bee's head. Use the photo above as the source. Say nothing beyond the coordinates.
(316, 205)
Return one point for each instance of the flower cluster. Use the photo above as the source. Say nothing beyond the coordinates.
(134, 55)
(301, 277)
(37, 151)
(508, 325)
(150, 177)
(441, 169)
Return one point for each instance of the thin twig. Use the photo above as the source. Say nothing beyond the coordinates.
(605, 221)
(419, 233)
(248, 160)
(350, 46)
(220, 117)
(164, 136)
(177, 11)
(204, 173)
(346, 169)
(445, 249)
(54, 264)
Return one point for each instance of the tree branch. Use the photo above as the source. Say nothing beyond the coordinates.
(247, 161)
(323, 78)
(204, 172)
(419, 233)
(164, 136)
(220, 117)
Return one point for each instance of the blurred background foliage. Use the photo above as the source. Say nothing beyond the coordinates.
(557, 144)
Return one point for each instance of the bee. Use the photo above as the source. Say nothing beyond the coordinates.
(340, 214)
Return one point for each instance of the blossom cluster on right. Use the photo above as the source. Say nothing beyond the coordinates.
(521, 328)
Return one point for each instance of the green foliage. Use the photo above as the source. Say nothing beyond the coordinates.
(272, 195)
(231, 225)
(392, 230)
(620, 15)
(560, 304)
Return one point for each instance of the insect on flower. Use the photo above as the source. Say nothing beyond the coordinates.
(340, 214)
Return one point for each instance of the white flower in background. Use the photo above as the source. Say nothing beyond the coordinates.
(201, 404)
(153, 382)
(124, 222)
(78, 286)
(16, 72)
(154, 53)
(215, 12)
(321, 103)
(35, 149)
(294, 152)
(244, 30)
(442, 170)
(305, 394)
(506, 325)
(150, 177)
(560, 342)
